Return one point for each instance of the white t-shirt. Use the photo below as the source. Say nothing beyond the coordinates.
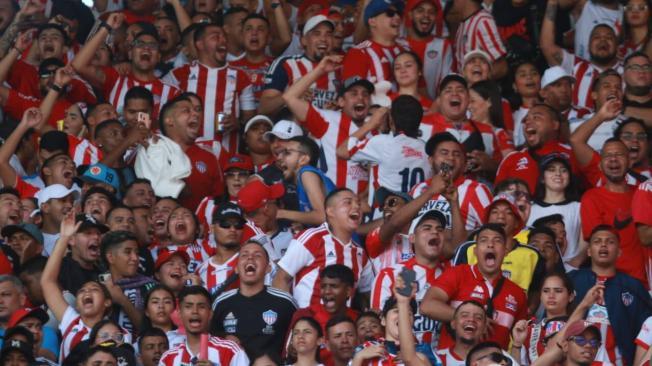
(49, 240)
(592, 15)
(571, 213)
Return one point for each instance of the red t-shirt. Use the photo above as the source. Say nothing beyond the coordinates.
(18, 103)
(205, 178)
(465, 282)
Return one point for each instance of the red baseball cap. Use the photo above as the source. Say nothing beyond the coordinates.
(23, 313)
(239, 161)
(511, 201)
(255, 194)
(166, 255)
(325, 4)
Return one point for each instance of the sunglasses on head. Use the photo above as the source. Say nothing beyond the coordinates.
(229, 224)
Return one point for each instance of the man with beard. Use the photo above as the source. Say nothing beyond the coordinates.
(621, 304)
(468, 325)
(603, 51)
(144, 56)
(373, 59)
(331, 128)
(329, 243)
(483, 282)
(170, 36)
(218, 273)
(285, 72)
(557, 92)
(257, 315)
(180, 122)
(226, 92)
(638, 87)
(427, 236)
(436, 53)
(611, 204)
(195, 313)
(541, 127)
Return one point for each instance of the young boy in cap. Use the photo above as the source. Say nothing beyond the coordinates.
(44, 338)
(26, 240)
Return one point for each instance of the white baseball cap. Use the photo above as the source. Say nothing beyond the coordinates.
(553, 74)
(430, 214)
(477, 53)
(256, 119)
(284, 130)
(313, 22)
(55, 191)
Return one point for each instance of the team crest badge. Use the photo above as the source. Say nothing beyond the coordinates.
(627, 298)
(201, 166)
(269, 317)
(432, 54)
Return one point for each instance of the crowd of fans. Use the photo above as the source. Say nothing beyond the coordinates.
(343, 182)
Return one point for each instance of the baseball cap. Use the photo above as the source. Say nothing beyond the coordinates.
(89, 222)
(100, 173)
(375, 7)
(228, 210)
(451, 78)
(580, 326)
(46, 65)
(284, 130)
(511, 201)
(256, 119)
(551, 158)
(166, 255)
(356, 80)
(55, 191)
(477, 53)
(29, 229)
(255, 194)
(17, 345)
(239, 161)
(382, 193)
(437, 139)
(552, 74)
(430, 214)
(314, 21)
(20, 314)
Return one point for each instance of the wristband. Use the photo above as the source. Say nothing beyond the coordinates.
(106, 26)
(56, 88)
(20, 52)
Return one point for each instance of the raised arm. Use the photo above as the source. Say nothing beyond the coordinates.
(28, 10)
(20, 45)
(580, 137)
(409, 352)
(280, 26)
(62, 78)
(293, 96)
(49, 280)
(31, 119)
(183, 19)
(282, 280)
(316, 196)
(435, 305)
(82, 61)
(553, 53)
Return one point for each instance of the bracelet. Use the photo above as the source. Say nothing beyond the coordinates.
(106, 26)
(20, 52)
(56, 88)
(275, 5)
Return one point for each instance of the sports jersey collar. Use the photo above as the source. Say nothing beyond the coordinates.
(226, 64)
(478, 275)
(335, 239)
(430, 272)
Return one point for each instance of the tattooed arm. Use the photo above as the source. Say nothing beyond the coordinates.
(553, 53)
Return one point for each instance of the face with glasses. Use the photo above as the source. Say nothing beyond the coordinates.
(228, 231)
(235, 179)
(635, 137)
(582, 349)
(391, 205)
(614, 161)
(522, 197)
(637, 13)
(144, 53)
(638, 75)
(386, 24)
(109, 332)
(490, 356)
(291, 159)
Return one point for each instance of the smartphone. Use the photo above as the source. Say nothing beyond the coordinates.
(144, 118)
(409, 277)
(104, 277)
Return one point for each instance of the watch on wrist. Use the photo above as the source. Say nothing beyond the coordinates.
(56, 88)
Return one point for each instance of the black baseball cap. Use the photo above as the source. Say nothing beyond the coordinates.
(88, 222)
(356, 80)
(228, 210)
(451, 78)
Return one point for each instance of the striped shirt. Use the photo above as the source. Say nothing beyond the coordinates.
(437, 57)
(213, 274)
(370, 60)
(315, 249)
(220, 351)
(199, 251)
(585, 74)
(479, 31)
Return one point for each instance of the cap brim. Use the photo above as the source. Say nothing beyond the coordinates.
(362, 82)
(87, 225)
(10, 230)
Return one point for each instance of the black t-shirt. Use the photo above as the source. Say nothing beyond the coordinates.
(260, 321)
(73, 276)
(145, 262)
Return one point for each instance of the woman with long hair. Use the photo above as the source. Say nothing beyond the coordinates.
(636, 27)
(307, 336)
(407, 73)
(556, 193)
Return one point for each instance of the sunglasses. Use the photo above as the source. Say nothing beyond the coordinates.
(142, 44)
(228, 224)
(496, 357)
(392, 13)
(392, 202)
(581, 341)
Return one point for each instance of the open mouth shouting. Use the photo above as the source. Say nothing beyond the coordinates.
(490, 259)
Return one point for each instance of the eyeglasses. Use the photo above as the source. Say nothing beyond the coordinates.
(581, 341)
(496, 357)
(628, 136)
(638, 7)
(47, 74)
(241, 174)
(105, 336)
(639, 68)
(228, 224)
(142, 44)
(286, 152)
(392, 13)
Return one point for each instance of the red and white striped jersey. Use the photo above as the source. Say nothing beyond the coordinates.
(479, 31)
(608, 353)
(82, 151)
(220, 352)
(212, 274)
(424, 328)
(437, 57)
(399, 162)
(199, 251)
(644, 337)
(315, 249)
(256, 73)
(584, 73)
(285, 71)
(535, 340)
(386, 255)
(330, 129)
(370, 60)
(448, 357)
(474, 197)
(436, 123)
(222, 89)
(116, 87)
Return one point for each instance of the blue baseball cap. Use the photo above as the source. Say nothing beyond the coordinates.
(376, 7)
(100, 173)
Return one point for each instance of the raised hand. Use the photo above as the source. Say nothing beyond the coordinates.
(24, 40)
(32, 117)
(330, 63)
(68, 225)
(63, 76)
(31, 7)
(610, 109)
(519, 332)
(115, 20)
